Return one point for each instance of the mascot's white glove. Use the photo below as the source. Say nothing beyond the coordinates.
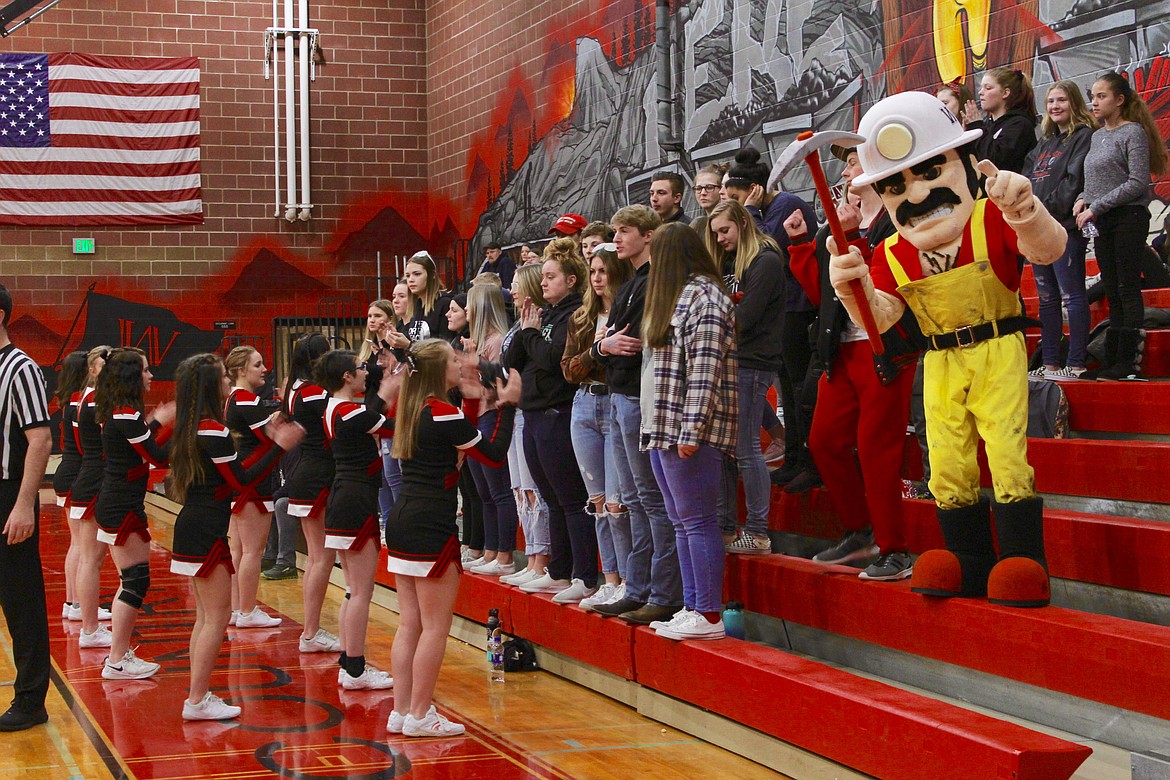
(843, 269)
(1040, 238)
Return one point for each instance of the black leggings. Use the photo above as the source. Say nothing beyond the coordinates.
(1119, 250)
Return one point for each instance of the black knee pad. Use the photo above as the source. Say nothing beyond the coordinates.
(135, 583)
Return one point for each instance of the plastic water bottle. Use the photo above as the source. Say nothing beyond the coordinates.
(495, 646)
(733, 619)
(1090, 230)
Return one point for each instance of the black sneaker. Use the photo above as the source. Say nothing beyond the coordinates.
(889, 566)
(620, 607)
(280, 572)
(19, 720)
(786, 473)
(854, 546)
(804, 482)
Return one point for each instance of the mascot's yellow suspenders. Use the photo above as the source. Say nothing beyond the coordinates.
(976, 378)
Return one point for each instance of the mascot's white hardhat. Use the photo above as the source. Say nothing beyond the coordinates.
(903, 130)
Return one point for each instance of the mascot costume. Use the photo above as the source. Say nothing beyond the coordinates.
(954, 262)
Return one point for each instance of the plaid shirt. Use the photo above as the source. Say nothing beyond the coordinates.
(696, 386)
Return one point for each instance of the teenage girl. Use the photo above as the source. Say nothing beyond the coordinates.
(132, 442)
(428, 304)
(957, 97)
(351, 517)
(247, 417)
(69, 384)
(432, 439)
(308, 487)
(206, 470)
(1009, 132)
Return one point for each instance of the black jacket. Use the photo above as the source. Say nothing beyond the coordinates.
(1006, 141)
(432, 325)
(537, 354)
(759, 310)
(623, 373)
(904, 341)
(1056, 167)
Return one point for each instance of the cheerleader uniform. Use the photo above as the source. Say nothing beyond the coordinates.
(131, 447)
(88, 482)
(351, 516)
(201, 528)
(421, 536)
(308, 484)
(245, 415)
(70, 464)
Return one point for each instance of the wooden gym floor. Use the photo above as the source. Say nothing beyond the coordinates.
(298, 723)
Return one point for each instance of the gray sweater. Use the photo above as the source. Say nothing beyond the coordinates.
(1117, 169)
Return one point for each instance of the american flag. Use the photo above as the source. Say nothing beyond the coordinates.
(91, 140)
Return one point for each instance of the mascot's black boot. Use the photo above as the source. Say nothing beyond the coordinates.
(962, 568)
(1020, 579)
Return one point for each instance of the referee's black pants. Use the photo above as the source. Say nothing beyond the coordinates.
(22, 596)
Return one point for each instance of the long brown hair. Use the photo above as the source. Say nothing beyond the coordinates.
(74, 371)
(617, 273)
(1134, 109)
(417, 305)
(1081, 115)
(677, 255)
(426, 377)
(120, 383)
(752, 240)
(198, 396)
(386, 308)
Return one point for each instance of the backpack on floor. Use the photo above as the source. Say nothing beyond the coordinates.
(1047, 410)
(519, 656)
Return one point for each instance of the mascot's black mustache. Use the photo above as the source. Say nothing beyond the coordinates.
(936, 199)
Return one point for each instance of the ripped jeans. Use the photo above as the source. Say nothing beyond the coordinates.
(590, 429)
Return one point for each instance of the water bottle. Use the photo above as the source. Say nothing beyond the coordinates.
(1090, 230)
(733, 619)
(495, 646)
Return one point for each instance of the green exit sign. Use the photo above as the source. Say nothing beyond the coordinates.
(84, 246)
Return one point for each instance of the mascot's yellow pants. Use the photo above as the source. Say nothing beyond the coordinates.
(972, 392)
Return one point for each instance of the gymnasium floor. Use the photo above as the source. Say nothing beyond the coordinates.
(298, 723)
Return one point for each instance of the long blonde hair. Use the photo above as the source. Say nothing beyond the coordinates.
(426, 377)
(1081, 115)
(527, 278)
(752, 240)
(485, 312)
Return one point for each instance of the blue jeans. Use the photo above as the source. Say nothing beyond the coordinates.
(391, 480)
(590, 430)
(1064, 281)
(500, 515)
(691, 505)
(548, 448)
(652, 574)
(533, 519)
(757, 487)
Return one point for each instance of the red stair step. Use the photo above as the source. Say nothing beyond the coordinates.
(873, 727)
(1121, 407)
(1101, 469)
(1117, 662)
(1155, 363)
(1120, 552)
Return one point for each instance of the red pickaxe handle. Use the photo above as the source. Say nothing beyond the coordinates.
(830, 206)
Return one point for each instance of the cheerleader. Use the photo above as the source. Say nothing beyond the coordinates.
(131, 442)
(351, 517)
(82, 499)
(69, 384)
(308, 487)
(247, 417)
(432, 439)
(206, 469)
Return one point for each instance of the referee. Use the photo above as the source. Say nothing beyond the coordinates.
(24, 452)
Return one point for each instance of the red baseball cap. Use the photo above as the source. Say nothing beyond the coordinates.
(568, 224)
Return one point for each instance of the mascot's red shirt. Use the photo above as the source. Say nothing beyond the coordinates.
(1001, 248)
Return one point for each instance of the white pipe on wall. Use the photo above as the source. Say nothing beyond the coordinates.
(290, 130)
(275, 111)
(303, 86)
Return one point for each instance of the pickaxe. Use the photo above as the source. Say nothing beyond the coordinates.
(807, 147)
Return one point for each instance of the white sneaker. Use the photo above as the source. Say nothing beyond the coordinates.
(321, 642)
(676, 619)
(495, 569)
(693, 626)
(256, 619)
(73, 613)
(467, 556)
(469, 565)
(395, 721)
(130, 667)
(101, 637)
(433, 725)
(603, 594)
(574, 593)
(520, 577)
(235, 616)
(370, 680)
(211, 707)
(545, 583)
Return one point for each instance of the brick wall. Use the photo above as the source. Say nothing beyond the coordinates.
(368, 114)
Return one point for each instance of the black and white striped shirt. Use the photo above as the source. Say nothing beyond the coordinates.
(23, 405)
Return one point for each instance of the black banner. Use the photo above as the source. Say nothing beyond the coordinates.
(164, 338)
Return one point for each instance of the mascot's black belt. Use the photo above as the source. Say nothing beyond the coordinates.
(973, 334)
